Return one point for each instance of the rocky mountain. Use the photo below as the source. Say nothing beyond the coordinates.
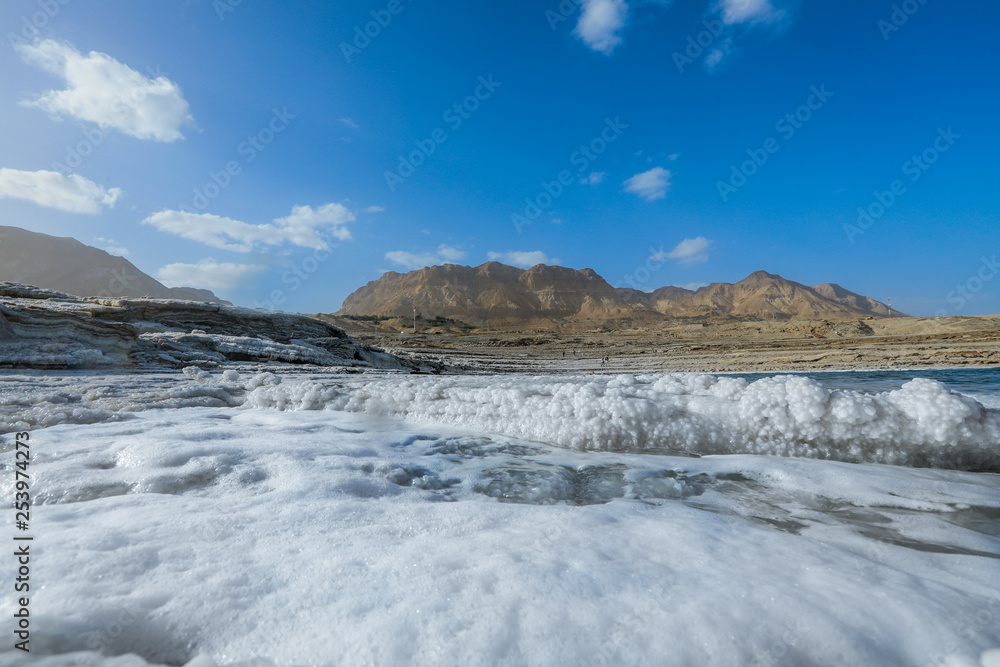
(763, 296)
(497, 294)
(66, 265)
(501, 295)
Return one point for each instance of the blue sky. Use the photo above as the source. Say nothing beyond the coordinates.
(277, 154)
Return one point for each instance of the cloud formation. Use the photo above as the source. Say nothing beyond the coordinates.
(650, 185)
(739, 16)
(691, 251)
(522, 258)
(305, 227)
(72, 193)
(208, 274)
(443, 255)
(749, 11)
(600, 23)
(101, 90)
(111, 246)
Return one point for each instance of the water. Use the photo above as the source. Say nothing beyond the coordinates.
(971, 381)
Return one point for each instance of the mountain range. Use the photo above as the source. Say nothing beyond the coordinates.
(67, 265)
(490, 294)
(501, 295)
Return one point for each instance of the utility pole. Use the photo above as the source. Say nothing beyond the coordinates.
(889, 301)
(414, 319)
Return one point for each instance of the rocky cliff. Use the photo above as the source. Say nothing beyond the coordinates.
(497, 294)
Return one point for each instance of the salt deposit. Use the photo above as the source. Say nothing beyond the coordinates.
(923, 423)
(255, 519)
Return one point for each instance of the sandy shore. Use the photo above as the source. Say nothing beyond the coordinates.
(707, 347)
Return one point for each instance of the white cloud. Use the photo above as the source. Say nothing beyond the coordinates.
(304, 223)
(691, 251)
(739, 16)
(749, 11)
(71, 193)
(443, 255)
(600, 22)
(349, 122)
(595, 178)
(451, 254)
(208, 274)
(650, 185)
(111, 246)
(523, 258)
(102, 90)
(374, 209)
(305, 227)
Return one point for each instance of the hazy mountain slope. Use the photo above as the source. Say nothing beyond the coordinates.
(763, 295)
(67, 265)
(835, 292)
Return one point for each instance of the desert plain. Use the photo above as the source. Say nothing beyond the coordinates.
(695, 346)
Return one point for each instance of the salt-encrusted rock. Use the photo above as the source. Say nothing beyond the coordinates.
(45, 329)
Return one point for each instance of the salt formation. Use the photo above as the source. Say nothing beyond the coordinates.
(45, 329)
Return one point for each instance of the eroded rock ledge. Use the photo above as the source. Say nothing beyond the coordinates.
(50, 330)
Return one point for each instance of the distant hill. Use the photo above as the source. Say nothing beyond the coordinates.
(762, 296)
(66, 265)
(545, 295)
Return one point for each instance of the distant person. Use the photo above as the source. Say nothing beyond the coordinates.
(574, 354)
(564, 354)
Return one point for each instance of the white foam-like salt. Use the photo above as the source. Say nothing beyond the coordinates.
(921, 424)
(255, 519)
(325, 537)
